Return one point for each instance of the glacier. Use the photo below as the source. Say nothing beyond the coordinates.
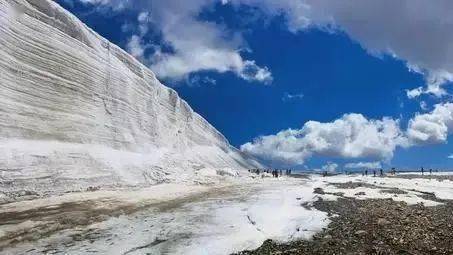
(78, 112)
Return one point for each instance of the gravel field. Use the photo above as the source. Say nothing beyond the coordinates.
(375, 226)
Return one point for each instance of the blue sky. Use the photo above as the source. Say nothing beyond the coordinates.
(285, 68)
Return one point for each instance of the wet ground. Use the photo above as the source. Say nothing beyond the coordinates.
(218, 221)
(332, 215)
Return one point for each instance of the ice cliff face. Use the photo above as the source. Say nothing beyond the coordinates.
(78, 111)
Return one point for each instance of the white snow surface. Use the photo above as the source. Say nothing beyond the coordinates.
(426, 173)
(239, 213)
(77, 111)
(237, 216)
(413, 187)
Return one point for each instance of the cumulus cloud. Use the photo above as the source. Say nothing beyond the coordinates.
(366, 165)
(450, 156)
(351, 136)
(354, 136)
(196, 45)
(433, 127)
(416, 31)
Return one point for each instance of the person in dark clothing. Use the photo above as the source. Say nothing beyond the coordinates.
(374, 173)
(430, 171)
(381, 172)
(366, 172)
(423, 171)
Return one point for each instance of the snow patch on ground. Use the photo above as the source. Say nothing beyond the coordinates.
(272, 213)
(236, 215)
(414, 188)
(426, 173)
(221, 221)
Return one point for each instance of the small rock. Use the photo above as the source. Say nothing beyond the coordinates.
(360, 232)
(382, 222)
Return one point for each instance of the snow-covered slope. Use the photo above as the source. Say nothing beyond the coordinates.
(77, 111)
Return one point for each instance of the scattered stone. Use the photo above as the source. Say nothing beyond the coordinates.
(382, 222)
(360, 232)
(402, 229)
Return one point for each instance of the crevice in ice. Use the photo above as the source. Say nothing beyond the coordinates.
(157, 241)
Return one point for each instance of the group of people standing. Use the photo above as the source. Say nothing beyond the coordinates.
(275, 172)
(430, 171)
(381, 172)
(392, 171)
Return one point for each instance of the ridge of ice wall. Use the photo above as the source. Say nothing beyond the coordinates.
(77, 110)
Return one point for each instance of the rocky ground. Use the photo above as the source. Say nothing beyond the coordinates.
(375, 226)
(425, 176)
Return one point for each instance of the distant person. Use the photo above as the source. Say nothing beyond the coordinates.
(423, 171)
(381, 172)
(366, 172)
(430, 171)
(374, 173)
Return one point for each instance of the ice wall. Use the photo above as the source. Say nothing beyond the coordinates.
(77, 111)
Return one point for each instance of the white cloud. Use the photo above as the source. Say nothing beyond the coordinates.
(416, 31)
(196, 45)
(450, 156)
(113, 4)
(423, 105)
(197, 80)
(289, 97)
(366, 165)
(413, 93)
(351, 136)
(354, 136)
(136, 47)
(330, 167)
(433, 127)
(434, 85)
